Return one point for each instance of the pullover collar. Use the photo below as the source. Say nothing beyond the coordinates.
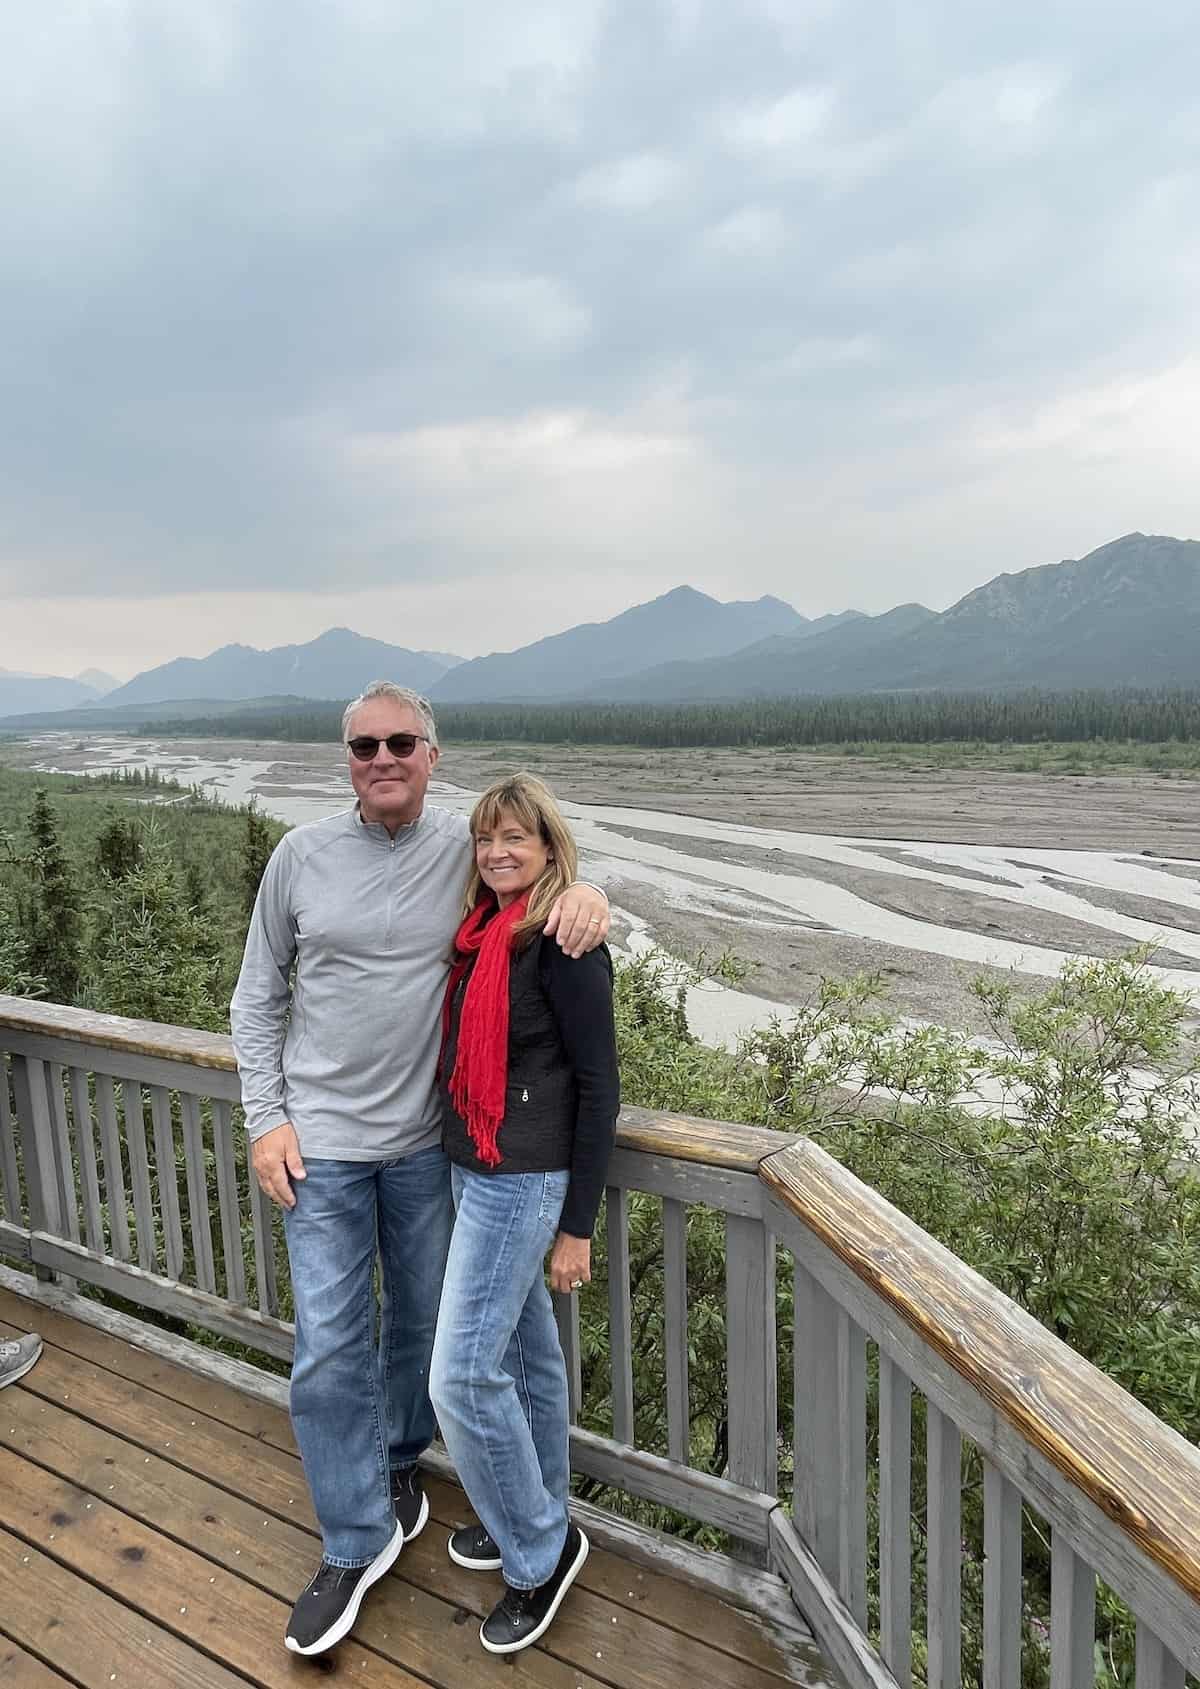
(376, 834)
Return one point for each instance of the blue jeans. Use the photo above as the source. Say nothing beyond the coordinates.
(360, 1402)
(498, 1380)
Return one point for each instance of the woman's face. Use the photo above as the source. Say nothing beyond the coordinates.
(509, 858)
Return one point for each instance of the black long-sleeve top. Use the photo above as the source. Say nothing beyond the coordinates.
(563, 1089)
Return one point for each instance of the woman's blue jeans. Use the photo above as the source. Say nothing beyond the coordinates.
(360, 1400)
(498, 1380)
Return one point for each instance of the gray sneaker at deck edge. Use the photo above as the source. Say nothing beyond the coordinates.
(17, 1355)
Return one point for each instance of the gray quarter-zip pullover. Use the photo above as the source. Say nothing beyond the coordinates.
(347, 1048)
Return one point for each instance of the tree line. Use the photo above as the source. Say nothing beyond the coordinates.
(1027, 717)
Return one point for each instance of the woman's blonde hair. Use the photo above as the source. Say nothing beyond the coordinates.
(531, 802)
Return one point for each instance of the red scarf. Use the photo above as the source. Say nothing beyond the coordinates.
(480, 1077)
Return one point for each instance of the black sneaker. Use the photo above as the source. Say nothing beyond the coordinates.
(326, 1610)
(525, 1614)
(409, 1501)
(474, 1548)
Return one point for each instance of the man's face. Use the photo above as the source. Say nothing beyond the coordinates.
(390, 789)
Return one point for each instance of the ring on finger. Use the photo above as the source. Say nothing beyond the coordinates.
(576, 1284)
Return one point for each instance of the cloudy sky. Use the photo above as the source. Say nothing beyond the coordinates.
(460, 323)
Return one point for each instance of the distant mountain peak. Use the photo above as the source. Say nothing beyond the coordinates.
(681, 624)
(336, 664)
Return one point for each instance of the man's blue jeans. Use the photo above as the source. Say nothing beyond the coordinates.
(360, 1402)
(498, 1380)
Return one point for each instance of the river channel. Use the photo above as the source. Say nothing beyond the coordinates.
(794, 904)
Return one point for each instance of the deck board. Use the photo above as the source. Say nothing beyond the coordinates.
(166, 1517)
(22, 1670)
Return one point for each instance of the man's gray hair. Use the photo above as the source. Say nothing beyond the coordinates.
(398, 694)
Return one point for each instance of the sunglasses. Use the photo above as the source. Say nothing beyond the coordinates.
(364, 747)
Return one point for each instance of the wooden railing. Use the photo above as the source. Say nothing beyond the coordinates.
(119, 1143)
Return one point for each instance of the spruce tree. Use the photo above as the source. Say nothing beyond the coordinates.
(17, 977)
(118, 849)
(53, 922)
(257, 846)
(152, 955)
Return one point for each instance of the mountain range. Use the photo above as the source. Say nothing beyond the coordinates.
(20, 690)
(682, 624)
(1127, 614)
(337, 664)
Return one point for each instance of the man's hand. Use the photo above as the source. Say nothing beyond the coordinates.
(579, 919)
(276, 1159)
(570, 1262)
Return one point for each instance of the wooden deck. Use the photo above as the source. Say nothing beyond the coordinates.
(154, 1527)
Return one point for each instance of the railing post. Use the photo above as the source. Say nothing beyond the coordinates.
(675, 1329)
(37, 1148)
(895, 1508)
(750, 1337)
(620, 1339)
(566, 1317)
(943, 1508)
(1072, 1617)
(816, 1439)
(1002, 1594)
(1155, 1667)
(10, 1178)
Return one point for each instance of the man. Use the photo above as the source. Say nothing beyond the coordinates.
(18, 1356)
(338, 1084)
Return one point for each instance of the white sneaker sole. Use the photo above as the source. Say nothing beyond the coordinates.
(345, 1622)
(421, 1522)
(472, 1565)
(22, 1370)
(569, 1577)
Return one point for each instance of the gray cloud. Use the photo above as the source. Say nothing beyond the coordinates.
(847, 302)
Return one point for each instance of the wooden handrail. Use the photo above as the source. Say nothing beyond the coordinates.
(715, 1143)
(117, 1032)
(1140, 1473)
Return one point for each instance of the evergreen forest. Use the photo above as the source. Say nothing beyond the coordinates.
(1032, 718)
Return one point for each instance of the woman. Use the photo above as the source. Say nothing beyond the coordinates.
(529, 1105)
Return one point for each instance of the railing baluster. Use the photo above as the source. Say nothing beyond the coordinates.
(852, 1499)
(227, 1199)
(1072, 1617)
(566, 1317)
(10, 1177)
(675, 1328)
(139, 1173)
(37, 1145)
(816, 1439)
(619, 1315)
(1001, 1581)
(943, 1468)
(1155, 1667)
(262, 1218)
(85, 1139)
(895, 1505)
(168, 1179)
(750, 1344)
(115, 1195)
(64, 1161)
(199, 1224)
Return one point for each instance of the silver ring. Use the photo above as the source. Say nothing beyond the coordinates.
(576, 1284)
